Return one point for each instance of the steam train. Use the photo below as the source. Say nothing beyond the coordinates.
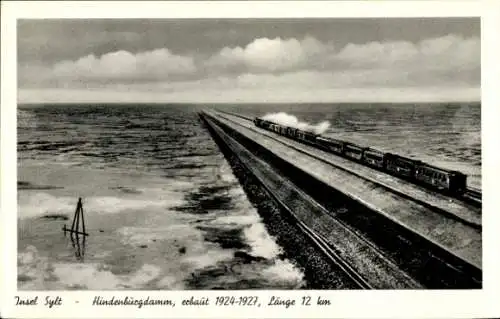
(418, 172)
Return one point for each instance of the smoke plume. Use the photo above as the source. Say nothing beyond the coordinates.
(292, 121)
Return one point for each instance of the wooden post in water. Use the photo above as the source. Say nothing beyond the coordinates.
(77, 215)
(81, 210)
(75, 226)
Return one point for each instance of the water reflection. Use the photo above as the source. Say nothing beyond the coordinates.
(78, 243)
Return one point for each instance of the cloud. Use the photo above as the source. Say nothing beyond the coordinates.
(285, 68)
(156, 64)
(447, 60)
(356, 78)
(270, 55)
(374, 53)
(443, 53)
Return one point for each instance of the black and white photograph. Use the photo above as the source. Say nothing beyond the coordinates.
(260, 154)
(248, 154)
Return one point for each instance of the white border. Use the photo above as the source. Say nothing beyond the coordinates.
(380, 304)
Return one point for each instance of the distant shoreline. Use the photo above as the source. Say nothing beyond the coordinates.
(472, 103)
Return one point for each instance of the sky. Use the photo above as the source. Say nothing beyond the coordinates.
(249, 60)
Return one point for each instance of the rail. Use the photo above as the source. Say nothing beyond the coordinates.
(358, 280)
(334, 257)
(472, 195)
(446, 262)
(378, 183)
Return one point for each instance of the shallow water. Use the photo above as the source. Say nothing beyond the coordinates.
(161, 204)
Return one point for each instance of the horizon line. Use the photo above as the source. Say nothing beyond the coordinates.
(246, 102)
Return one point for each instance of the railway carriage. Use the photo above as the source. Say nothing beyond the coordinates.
(283, 130)
(414, 170)
(353, 151)
(306, 136)
(291, 132)
(330, 144)
(373, 157)
(441, 179)
(399, 165)
(277, 128)
(280, 129)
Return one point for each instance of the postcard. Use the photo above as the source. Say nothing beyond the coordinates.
(329, 159)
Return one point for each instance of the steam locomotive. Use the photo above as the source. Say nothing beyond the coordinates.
(415, 171)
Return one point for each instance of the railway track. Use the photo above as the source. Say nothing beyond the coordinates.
(354, 276)
(349, 271)
(472, 196)
(449, 261)
(327, 250)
